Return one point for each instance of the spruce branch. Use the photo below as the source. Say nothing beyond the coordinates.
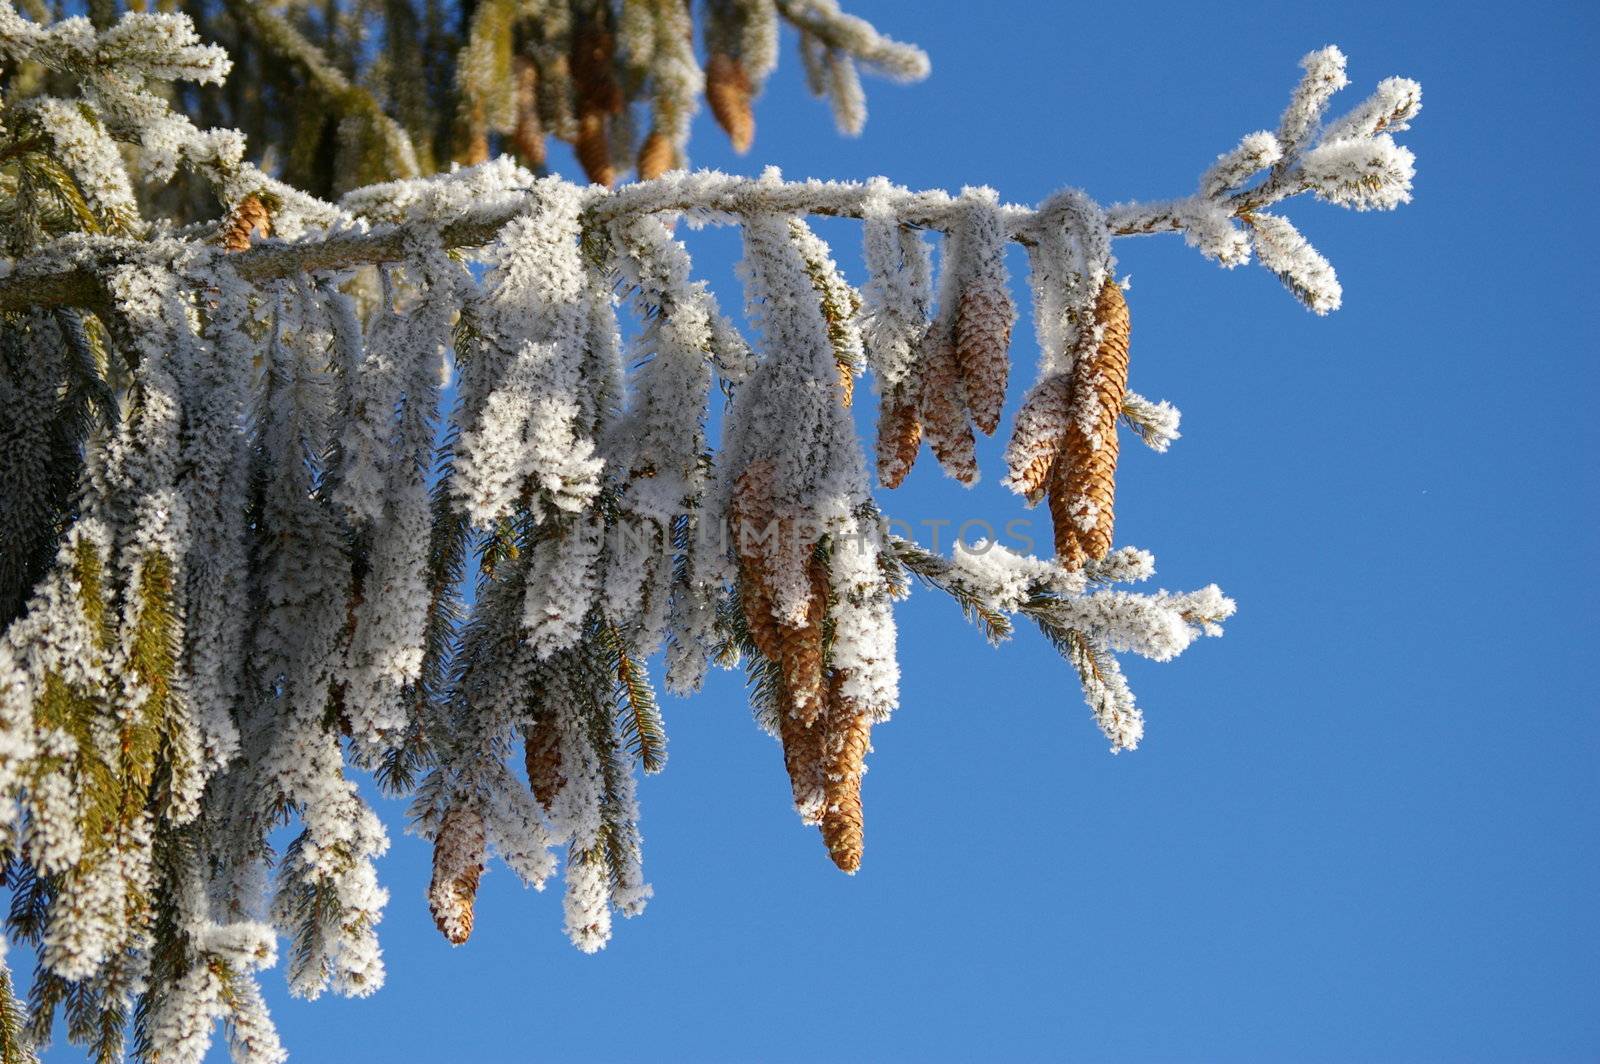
(641, 725)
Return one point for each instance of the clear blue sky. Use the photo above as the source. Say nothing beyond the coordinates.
(1364, 824)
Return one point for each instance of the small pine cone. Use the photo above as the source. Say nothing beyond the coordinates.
(1083, 486)
(541, 756)
(248, 217)
(656, 155)
(593, 149)
(899, 435)
(849, 737)
(458, 852)
(528, 134)
(943, 408)
(750, 515)
(758, 618)
(728, 93)
(801, 647)
(593, 73)
(983, 342)
(803, 758)
(1039, 435)
(1063, 520)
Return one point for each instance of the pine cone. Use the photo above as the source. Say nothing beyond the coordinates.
(943, 408)
(802, 745)
(594, 150)
(594, 75)
(1039, 435)
(803, 758)
(795, 649)
(983, 342)
(749, 516)
(473, 136)
(597, 94)
(728, 93)
(899, 435)
(801, 661)
(458, 852)
(655, 155)
(1083, 485)
(541, 756)
(528, 134)
(848, 741)
(248, 217)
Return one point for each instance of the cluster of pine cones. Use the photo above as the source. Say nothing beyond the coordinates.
(825, 735)
(1065, 442)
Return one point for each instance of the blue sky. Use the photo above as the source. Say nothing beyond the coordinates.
(1363, 825)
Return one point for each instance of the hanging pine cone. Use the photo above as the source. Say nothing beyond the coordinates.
(983, 342)
(527, 136)
(248, 218)
(541, 756)
(655, 155)
(943, 408)
(458, 853)
(750, 514)
(899, 434)
(801, 647)
(728, 92)
(802, 744)
(593, 149)
(1039, 435)
(849, 733)
(804, 758)
(1083, 484)
(598, 95)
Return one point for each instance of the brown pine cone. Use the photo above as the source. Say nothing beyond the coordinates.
(849, 733)
(1039, 435)
(943, 408)
(655, 155)
(249, 217)
(1083, 485)
(728, 92)
(458, 852)
(594, 150)
(802, 659)
(750, 516)
(899, 434)
(803, 758)
(983, 342)
(527, 136)
(541, 756)
(594, 75)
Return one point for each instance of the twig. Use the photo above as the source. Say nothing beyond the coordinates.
(711, 195)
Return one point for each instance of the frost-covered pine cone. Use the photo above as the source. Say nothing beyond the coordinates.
(849, 735)
(1039, 435)
(899, 434)
(1083, 485)
(458, 854)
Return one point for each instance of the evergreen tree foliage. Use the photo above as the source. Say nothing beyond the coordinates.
(251, 545)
